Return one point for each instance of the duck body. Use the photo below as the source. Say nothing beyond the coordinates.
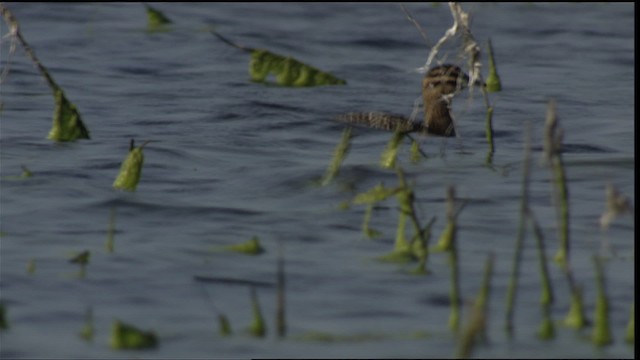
(439, 86)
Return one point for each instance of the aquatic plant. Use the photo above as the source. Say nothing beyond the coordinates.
(156, 19)
(111, 230)
(601, 331)
(258, 327)
(339, 154)
(4, 324)
(82, 259)
(616, 205)
(630, 331)
(552, 155)
(546, 330)
(224, 325)
(366, 229)
(390, 153)
(517, 254)
(31, 266)
(493, 80)
(445, 242)
(26, 173)
(87, 331)
(454, 290)
(281, 323)
(249, 247)
(131, 168)
(287, 70)
(575, 316)
(477, 321)
(67, 122)
(126, 336)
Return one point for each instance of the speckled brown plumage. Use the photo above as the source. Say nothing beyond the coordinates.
(439, 86)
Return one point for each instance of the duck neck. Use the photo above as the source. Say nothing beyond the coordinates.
(437, 114)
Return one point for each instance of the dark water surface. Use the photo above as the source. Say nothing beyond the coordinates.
(234, 159)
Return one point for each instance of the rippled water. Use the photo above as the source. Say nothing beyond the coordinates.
(234, 159)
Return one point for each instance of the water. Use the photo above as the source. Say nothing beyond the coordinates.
(234, 159)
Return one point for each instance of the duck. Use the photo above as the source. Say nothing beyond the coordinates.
(439, 85)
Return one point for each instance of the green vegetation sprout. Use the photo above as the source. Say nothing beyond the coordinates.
(493, 80)
(155, 18)
(258, 327)
(601, 331)
(249, 247)
(67, 122)
(125, 336)
(224, 325)
(339, 154)
(131, 168)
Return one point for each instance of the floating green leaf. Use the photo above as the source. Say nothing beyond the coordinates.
(155, 18)
(249, 247)
(287, 70)
(131, 168)
(257, 327)
(67, 123)
(125, 336)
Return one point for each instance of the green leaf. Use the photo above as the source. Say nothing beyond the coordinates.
(125, 336)
(339, 154)
(225, 325)
(81, 258)
(86, 333)
(630, 331)
(257, 327)
(287, 70)
(493, 80)
(446, 238)
(378, 193)
(390, 153)
(131, 168)
(575, 317)
(67, 123)
(155, 18)
(249, 247)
